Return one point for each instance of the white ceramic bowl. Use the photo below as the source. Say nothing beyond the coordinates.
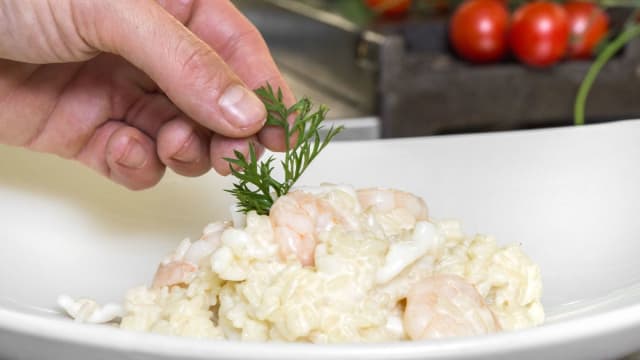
(570, 196)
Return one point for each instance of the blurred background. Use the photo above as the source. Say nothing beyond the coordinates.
(392, 68)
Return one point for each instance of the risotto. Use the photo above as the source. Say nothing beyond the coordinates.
(332, 264)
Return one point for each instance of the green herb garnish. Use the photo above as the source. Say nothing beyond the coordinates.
(256, 188)
(630, 31)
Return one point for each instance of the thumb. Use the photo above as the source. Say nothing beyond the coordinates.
(191, 74)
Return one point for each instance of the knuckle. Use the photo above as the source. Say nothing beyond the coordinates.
(247, 37)
(200, 65)
(182, 10)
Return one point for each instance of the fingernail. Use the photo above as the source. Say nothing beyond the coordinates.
(134, 155)
(241, 106)
(189, 151)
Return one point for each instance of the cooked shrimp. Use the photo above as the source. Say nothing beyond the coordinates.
(297, 218)
(173, 273)
(386, 200)
(180, 266)
(446, 305)
(208, 242)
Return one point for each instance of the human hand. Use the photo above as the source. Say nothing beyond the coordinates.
(130, 87)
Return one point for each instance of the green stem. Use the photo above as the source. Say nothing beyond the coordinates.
(618, 3)
(594, 70)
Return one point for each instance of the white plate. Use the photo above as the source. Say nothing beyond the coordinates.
(570, 196)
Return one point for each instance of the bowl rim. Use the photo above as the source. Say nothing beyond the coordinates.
(107, 337)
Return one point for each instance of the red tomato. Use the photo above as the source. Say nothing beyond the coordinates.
(389, 7)
(539, 33)
(478, 30)
(588, 24)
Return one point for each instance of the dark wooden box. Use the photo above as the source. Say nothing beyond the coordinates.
(425, 89)
(404, 72)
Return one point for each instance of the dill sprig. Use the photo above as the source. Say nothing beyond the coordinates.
(256, 188)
